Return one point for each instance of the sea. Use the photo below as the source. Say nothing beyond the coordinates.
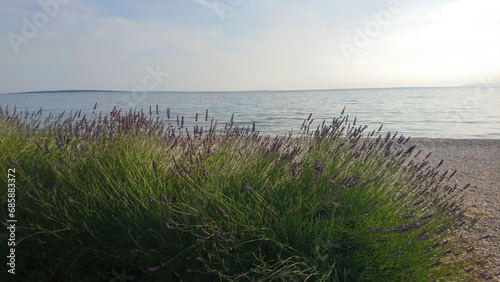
(434, 112)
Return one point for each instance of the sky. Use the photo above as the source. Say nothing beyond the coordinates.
(238, 45)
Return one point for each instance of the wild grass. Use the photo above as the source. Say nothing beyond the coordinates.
(132, 197)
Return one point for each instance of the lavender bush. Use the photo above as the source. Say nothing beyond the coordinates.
(129, 196)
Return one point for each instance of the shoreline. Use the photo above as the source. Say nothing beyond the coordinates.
(477, 162)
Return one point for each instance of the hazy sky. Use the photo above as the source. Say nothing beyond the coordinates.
(225, 45)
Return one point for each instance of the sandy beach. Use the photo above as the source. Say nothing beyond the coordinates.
(478, 163)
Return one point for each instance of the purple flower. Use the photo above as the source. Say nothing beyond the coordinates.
(225, 250)
(167, 225)
(418, 202)
(424, 235)
(47, 150)
(173, 171)
(173, 222)
(165, 199)
(204, 230)
(223, 212)
(154, 268)
(249, 188)
(30, 196)
(38, 145)
(427, 216)
(154, 201)
(13, 163)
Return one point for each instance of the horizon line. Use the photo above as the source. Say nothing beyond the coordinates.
(260, 90)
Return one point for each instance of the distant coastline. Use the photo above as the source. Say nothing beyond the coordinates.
(261, 90)
(62, 91)
(482, 84)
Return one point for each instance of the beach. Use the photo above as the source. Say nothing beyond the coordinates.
(477, 162)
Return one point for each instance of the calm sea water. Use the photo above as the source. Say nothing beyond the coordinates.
(459, 112)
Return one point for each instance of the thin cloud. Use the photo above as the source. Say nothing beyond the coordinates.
(258, 45)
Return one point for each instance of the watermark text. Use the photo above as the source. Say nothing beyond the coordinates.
(32, 26)
(11, 221)
(150, 81)
(363, 37)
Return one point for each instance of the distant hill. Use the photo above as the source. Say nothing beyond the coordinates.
(65, 91)
(481, 84)
(114, 91)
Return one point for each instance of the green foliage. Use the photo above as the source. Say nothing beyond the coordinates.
(131, 197)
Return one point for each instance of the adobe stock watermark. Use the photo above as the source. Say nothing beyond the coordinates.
(12, 219)
(225, 6)
(150, 81)
(32, 26)
(373, 28)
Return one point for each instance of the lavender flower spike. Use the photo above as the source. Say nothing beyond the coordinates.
(249, 188)
(223, 212)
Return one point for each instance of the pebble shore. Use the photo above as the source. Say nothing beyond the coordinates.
(477, 162)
